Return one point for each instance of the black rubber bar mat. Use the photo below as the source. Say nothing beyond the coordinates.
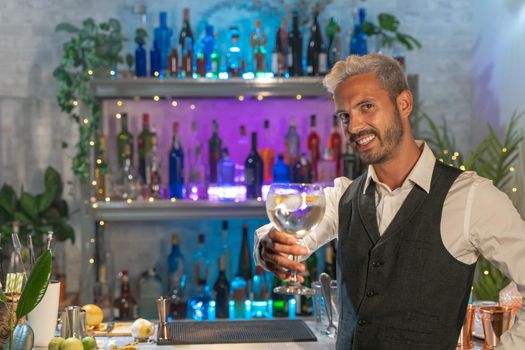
(221, 332)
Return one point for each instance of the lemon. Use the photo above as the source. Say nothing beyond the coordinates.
(94, 314)
(72, 344)
(89, 343)
(54, 344)
(142, 328)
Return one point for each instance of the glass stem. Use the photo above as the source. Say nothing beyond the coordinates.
(293, 274)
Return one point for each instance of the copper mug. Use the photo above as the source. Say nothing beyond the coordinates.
(465, 335)
(496, 321)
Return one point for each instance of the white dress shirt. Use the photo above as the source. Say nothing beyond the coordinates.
(477, 218)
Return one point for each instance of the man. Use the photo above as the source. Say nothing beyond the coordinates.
(409, 230)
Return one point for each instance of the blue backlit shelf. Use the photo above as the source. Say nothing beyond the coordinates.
(267, 87)
(165, 210)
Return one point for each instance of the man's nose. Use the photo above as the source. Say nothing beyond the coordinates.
(356, 124)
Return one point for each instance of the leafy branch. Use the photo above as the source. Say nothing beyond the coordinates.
(387, 30)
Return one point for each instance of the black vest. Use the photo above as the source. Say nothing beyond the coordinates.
(402, 290)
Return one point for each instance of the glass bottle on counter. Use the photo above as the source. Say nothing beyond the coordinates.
(124, 138)
(214, 151)
(267, 153)
(225, 170)
(153, 171)
(208, 46)
(128, 184)
(292, 144)
(349, 162)
(258, 43)
(150, 288)
(187, 59)
(281, 171)
(186, 44)
(176, 280)
(201, 292)
(144, 145)
(234, 55)
(326, 169)
(335, 142)
(295, 54)
(176, 170)
(312, 144)
(154, 60)
(302, 172)
(260, 285)
(314, 46)
(140, 59)
(173, 62)
(253, 167)
(245, 257)
(281, 50)
(197, 177)
(226, 251)
(221, 291)
(125, 306)
(102, 171)
(333, 32)
(162, 35)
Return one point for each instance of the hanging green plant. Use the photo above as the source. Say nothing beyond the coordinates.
(492, 159)
(92, 51)
(387, 31)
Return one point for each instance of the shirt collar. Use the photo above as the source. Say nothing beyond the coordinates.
(421, 173)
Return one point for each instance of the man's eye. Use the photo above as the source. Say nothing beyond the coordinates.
(344, 117)
(367, 107)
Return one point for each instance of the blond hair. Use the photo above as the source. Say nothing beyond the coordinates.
(388, 71)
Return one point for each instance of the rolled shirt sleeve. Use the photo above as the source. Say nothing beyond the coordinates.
(325, 231)
(498, 232)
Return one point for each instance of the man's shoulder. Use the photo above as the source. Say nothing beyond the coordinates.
(469, 179)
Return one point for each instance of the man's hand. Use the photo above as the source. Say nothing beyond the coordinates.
(276, 248)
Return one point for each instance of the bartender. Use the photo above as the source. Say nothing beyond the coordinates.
(409, 230)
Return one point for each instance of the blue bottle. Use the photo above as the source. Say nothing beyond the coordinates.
(154, 61)
(140, 61)
(162, 35)
(208, 44)
(363, 47)
(234, 55)
(225, 170)
(281, 171)
(176, 171)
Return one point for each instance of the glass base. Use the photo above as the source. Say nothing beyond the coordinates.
(293, 290)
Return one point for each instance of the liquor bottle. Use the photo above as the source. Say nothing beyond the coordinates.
(221, 291)
(145, 145)
(326, 169)
(292, 144)
(201, 293)
(310, 276)
(150, 288)
(173, 63)
(245, 257)
(127, 185)
(176, 171)
(124, 138)
(153, 171)
(314, 47)
(312, 144)
(186, 45)
(214, 151)
(197, 177)
(333, 32)
(281, 171)
(363, 47)
(303, 170)
(176, 280)
(208, 44)
(125, 306)
(162, 35)
(258, 43)
(234, 55)
(103, 297)
(225, 170)
(349, 162)
(281, 49)
(295, 54)
(140, 60)
(239, 294)
(329, 265)
(226, 251)
(154, 61)
(267, 152)
(253, 167)
(102, 171)
(260, 285)
(280, 301)
(335, 141)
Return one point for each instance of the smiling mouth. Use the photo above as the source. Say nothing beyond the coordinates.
(365, 140)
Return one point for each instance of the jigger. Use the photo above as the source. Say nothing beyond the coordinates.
(496, 321)
(163, 309)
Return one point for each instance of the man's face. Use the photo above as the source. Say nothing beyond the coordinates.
(371, 120)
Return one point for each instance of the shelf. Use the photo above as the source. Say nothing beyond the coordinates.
(148, 87)
(180, 210)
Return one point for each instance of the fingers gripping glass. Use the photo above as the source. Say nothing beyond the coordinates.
(295, 209)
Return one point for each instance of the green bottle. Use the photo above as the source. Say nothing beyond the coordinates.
(124, 138)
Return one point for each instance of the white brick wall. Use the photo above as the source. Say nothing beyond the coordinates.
(32, 127)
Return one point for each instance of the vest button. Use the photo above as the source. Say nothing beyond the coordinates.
(370, 293)
(377, 263)
(361, 322)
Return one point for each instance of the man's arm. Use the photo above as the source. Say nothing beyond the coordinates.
(498, 232)
(325, 232)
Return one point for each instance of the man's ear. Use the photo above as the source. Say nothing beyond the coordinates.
(405, 103)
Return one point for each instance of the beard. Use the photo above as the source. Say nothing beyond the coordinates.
(388, 140)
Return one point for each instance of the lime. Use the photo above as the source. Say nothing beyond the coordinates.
(89, 343)
(71, 344)
(54, 344)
